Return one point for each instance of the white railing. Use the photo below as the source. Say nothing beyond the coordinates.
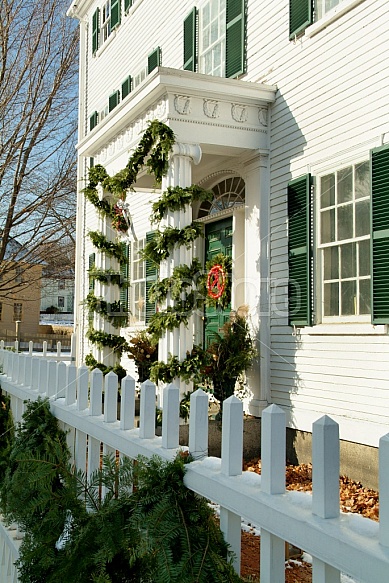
(42, 349)
(337, 542)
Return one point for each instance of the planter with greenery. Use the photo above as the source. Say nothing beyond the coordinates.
(144, 352)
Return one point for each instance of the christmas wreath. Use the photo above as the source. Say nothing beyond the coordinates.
(218, 281)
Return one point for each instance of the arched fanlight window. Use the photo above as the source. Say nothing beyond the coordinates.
(228, 193)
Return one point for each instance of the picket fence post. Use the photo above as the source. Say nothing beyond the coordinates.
(147, 410)
(127, 403)
(384, 487)
(60, 380)
(28, 371)
(70, 390)
(231, 465)
(82, 388)
(51, 378)
(325, 486)
(198, 424)
(171, 417)
(273, 457)
(42, 383)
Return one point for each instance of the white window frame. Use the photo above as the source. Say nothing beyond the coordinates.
(330, 16)
(138, 283)
(105, 29)
(208, 52)
(336, 319)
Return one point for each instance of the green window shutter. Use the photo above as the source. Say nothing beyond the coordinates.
(300, 16)
(127, 4)
(235, 38)
(300, 252)
(126, 87)
(154, 60)
(379, 161)
(151, 277)
(91, 264)
(95, 31)
(115, 13)
(113, 100)
(125, 275)
(190, 38)
(93, 120)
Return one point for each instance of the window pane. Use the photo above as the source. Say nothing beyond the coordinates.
(349, 298)
(331, 299)
(217, 55)
(364, 296)
(362, 180)
(348, 261)
(205, 15)
(214, 8)
(362, 218)
(364, 258)
(214, 31)
(206, 38)
(331, 263)
(345, 222)
(327, 191)
(345, 184)
(328, 226)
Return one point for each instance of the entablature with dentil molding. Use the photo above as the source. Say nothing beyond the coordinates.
(215, 112)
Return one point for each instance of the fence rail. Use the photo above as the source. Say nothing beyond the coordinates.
(62, 350)
(337, 542)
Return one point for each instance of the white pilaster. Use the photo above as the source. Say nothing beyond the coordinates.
(257, 252)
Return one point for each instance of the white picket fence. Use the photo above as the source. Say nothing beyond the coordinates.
(337, 542)
(59, 354)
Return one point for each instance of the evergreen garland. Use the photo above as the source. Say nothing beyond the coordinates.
(164, 241)
(92, 363)
(107, 276)
(176, 198)
(106, 310)
(101, 339)
(183, 277)
(110, 248)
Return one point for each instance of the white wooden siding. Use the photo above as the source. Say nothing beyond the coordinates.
(332, 107)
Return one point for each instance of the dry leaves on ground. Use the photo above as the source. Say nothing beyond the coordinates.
(353, 498)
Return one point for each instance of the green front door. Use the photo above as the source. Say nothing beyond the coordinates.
(218, 239)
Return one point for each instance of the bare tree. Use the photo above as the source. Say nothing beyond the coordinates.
(38, 120)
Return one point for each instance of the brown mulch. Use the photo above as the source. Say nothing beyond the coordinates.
(353, 498)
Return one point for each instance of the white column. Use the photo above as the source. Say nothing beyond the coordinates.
(180, 340)
(257, 252)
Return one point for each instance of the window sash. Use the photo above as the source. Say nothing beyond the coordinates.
(344, 244)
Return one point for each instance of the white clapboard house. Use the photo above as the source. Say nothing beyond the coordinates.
(281, 108)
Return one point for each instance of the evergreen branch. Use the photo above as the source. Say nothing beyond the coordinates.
(101, 339)
(110, 248)
(176, 198)
(164, 242)
(183, 276)
(106, 310)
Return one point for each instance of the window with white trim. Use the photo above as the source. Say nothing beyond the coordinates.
(105, 21)
(344, 243)
(138, 283)
(212, 37)
(324, 6)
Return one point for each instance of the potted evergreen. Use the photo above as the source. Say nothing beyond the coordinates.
(144, 352)
(231, 354)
